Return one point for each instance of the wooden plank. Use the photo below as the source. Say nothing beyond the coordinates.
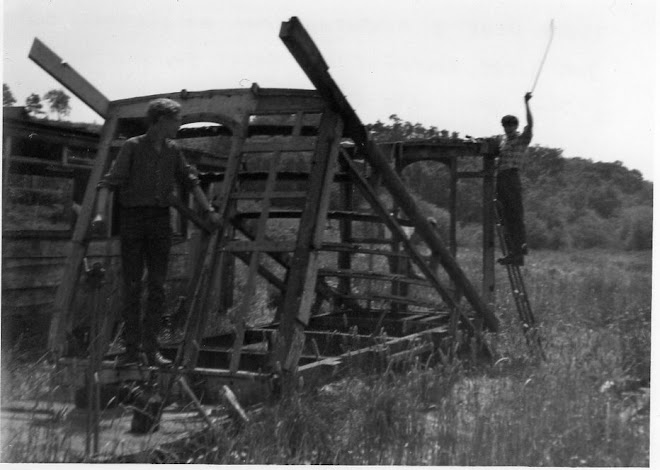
(284, 260)
(348, 273)
(325, 370)
(268, 246)
(301, 281)
(210, 268)
(68, 77)
(31, 297)
(35, 248)
(303, 49)
(398, 231)
(359, 249)
(280, 144)
(308, 56)
(375, 296)
(264, 272)
(488, 230)
(32, 276)
(274, 195)
(345, 230)
(250, 285)
(312, 103)
(370, 241)
(65, 292)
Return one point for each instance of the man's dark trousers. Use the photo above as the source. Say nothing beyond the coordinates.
(145, 235)
(509, 196)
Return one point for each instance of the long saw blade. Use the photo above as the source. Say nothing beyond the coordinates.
(545, 54)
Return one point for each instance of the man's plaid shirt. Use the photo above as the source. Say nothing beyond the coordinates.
(512, 150)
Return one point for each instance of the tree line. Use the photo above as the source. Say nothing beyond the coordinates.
(57, 101)
(570, 202)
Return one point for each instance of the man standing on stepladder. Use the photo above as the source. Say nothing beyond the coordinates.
(508, 187)
(144, 174)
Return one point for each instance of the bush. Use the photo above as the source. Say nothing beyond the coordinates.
(637, 228)
(590, 231)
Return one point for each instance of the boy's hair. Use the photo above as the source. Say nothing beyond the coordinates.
(162, 107)
(509, 119)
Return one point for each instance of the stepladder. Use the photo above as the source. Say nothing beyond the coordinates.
(517, 283)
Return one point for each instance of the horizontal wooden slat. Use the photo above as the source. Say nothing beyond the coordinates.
(372, 275)
(359, 249)
(372, 296)
(371, 241)
(290, 104)
(263, 175)
(263, 246)
(272, 195)
(27, 297)
(280, 144)
(49, 275)
(35, 247)
(55, 164)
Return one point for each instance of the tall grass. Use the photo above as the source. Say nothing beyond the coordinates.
(587, 405)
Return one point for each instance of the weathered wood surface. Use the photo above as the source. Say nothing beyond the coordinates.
(301, 46)
(33, 269)
(67, 76)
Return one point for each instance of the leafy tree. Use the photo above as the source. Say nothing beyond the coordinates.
(7, 96)
(58, 102)
(33, 105)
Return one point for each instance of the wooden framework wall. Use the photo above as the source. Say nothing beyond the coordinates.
(451, 153)
(297, 174)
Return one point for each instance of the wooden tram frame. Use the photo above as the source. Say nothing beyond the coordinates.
(301, 343)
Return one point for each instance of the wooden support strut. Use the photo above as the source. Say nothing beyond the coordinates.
(65, 291)
(301, 46)
(302, 275)
(67, 76)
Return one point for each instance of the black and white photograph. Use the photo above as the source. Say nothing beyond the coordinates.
(348, 233)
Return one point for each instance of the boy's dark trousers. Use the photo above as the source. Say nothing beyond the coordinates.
(509, 196)
(145, 235)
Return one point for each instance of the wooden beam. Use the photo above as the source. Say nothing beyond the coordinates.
(303, 49)
(488, 239)
(79, 241)
(61, 71)
(308, 56)
(302, 276)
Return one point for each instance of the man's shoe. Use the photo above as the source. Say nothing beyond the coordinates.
(156, 359)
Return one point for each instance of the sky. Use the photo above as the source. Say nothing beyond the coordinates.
(455, 64)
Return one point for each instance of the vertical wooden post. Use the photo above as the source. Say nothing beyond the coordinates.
(6, 167)
(302, 273)
(345, 234)
(207, 268)
(453, 207)
(402, 264)
(488, 239)
(65, 291)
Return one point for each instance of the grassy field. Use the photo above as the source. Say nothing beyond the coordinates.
(587, 405)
